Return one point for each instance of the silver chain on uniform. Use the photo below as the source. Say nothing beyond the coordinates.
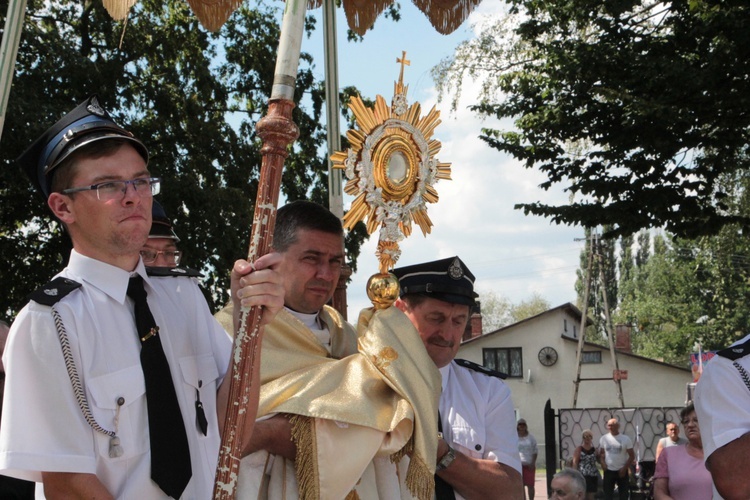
(115, 450)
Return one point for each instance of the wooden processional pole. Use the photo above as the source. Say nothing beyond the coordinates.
(278, 131)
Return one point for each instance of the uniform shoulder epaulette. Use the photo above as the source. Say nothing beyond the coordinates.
(159, 272)
(479, 368)
(735, 352)
(51, 293)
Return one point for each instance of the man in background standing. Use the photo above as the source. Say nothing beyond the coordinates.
(671, 439)
(616, 456)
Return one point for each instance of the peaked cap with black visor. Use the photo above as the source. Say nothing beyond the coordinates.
(161, 226)
(448, 280)
(87, 123)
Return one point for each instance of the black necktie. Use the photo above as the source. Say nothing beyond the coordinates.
(443, 490)
(170, 454)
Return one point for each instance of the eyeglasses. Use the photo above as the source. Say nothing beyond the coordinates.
(115, 190)
(171, 256)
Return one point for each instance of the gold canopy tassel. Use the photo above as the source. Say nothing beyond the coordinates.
(212, 14)
(446, 15)
(361, 14)
(118, 9)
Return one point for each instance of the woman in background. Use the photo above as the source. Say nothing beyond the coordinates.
(527, 449)
(584, 459)
(680, 472)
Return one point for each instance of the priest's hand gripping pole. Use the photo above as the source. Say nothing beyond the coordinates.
(278, 131)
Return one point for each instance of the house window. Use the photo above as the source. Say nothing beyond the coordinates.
(591, 357)
(565, 325)
(505, 360)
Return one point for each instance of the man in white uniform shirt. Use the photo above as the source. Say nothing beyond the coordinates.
(722, 403)
(477, 454)
(79, 402)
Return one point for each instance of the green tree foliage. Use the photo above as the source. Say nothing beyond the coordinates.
(495, 311)
(636, 108)
(682, 291)
(498, 311)
(535, 304)
(193, 97)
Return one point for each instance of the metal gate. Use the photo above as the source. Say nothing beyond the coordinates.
(644, 425)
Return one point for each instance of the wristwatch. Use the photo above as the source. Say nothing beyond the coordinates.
(447, 459)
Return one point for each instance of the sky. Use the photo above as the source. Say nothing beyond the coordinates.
(511, 255)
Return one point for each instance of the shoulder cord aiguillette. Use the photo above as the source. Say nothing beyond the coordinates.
(115, 449)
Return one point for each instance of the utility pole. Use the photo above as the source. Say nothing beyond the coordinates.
(335, 179)
(596, 254)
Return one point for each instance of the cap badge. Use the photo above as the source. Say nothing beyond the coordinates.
(455, 271)
(95, 109)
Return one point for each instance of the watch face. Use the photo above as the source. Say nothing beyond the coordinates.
(547, 356)
(446, 460)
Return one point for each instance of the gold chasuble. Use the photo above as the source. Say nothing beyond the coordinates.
(371, 407)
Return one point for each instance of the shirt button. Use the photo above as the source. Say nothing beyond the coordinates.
(478, 447)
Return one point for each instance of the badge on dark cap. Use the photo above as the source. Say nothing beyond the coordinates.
(448, 280)
(94, 107)
(87, 123)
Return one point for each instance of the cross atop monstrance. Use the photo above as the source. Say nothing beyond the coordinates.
(392, 168)
(404, 62)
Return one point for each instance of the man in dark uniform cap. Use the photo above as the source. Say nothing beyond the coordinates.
(478, 451)
(160, 250)
(108, 368)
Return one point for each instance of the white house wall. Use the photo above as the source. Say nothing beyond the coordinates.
(649, 383)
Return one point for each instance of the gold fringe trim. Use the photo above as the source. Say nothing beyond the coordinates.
(306, 463)
(419, 479)
(408, 449)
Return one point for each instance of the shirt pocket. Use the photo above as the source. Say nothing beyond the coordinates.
(468, 441)
(120, 396)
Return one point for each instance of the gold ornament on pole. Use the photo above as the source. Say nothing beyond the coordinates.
(392, 169)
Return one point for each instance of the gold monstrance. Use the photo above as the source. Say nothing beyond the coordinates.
(392, 170)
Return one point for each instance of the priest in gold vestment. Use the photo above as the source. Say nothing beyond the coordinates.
(343, 413)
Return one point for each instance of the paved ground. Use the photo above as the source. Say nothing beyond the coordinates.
(540, 487)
